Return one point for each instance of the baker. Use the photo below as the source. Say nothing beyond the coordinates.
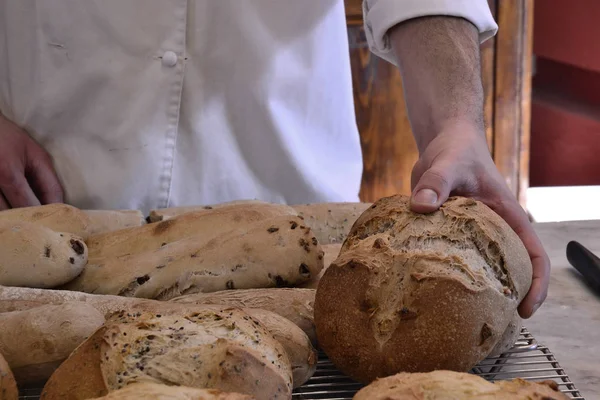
(142, 104)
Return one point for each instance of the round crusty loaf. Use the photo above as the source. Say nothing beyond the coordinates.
(510, 336)
(158, 391)
(35, 342)
(441, 385)
(36, 256)
(8, 385)
(416, 293)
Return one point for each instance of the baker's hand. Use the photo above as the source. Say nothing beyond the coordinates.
(27, 176)
(458, 162)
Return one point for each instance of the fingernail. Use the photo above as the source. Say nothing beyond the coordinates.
(426, 196)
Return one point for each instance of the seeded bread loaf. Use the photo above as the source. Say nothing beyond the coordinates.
(225, 349)
(58, 217)
(34, 342)
(162, 214)
(273, 252)
(204, 225)
(416, 293)
(8, 385)
(36, 256)
(102, 221)
(296, 343)
(158, 391)
(331, 222)
(293, 304)
(443, 385)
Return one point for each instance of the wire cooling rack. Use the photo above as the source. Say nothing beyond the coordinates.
(526, 360)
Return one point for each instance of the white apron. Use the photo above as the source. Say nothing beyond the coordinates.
(154, 103)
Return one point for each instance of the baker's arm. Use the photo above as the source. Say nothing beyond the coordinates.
(435, 44)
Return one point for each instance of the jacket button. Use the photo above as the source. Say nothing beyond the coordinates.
(169, 59)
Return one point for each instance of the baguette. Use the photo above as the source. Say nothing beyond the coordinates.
(58, 217)
(294, 304)
(163, 214)
(438, 385)
(34, 342)
(158, 391)
(36, 256)
(331, 222)
(296, 343)
(103, 221)
(273, 252)
(8, 385)
(203, 225)
(224, 349)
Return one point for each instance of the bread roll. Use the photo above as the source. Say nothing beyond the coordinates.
(163, 214)
(34, 342)
(58, 217)
(272, 252)
(102, 221)
(442, 385)
(331, 253)
(204, 225)
(225, 349)
(36, 256)
(331, 222)
(157, 391)
(8, 385)
(294, 304)
(416, 293)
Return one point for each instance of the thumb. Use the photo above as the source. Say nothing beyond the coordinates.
(431, 190)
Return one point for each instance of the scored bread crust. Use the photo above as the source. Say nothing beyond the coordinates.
(294, 304)
(222, 348)
(157, 391)
(8, 385)
(439, 385)
(416, 293)
(277, 251)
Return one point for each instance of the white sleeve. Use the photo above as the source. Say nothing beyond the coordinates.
(381, 15)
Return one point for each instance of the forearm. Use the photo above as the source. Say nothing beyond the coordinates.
(439, 59)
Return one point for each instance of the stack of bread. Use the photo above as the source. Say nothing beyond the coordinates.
(216, 302)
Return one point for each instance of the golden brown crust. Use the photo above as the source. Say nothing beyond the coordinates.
(273, 252)
(294, 304)
(331, 222)
(213, 347)
(418, 293)
(331, 253)
(102, 221)
(8, 385)
(510, 336)
(441, 385)
(58, 217)
(162, 214)
(156, 391)
(34, 342)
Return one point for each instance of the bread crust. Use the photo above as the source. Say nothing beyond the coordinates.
(273, 252)
(439, 385)
(418, 293)
(331, 222)
(214, 348)
(8, 385)
(59, 217)
(103, 221)
(156, 391)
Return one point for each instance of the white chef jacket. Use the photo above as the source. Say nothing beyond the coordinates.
(154, 103)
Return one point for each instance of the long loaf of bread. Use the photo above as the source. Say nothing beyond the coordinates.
(8, 385)
(158, 391)
(204, 225)
(103, 221)
(162, 214)
(58, 217)
(35, 341)
(274, 252)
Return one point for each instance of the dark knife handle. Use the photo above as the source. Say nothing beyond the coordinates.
(586, 262)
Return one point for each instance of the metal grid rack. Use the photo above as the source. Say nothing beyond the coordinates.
(527, 360)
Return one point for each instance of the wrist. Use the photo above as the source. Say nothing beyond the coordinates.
(467, 129)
